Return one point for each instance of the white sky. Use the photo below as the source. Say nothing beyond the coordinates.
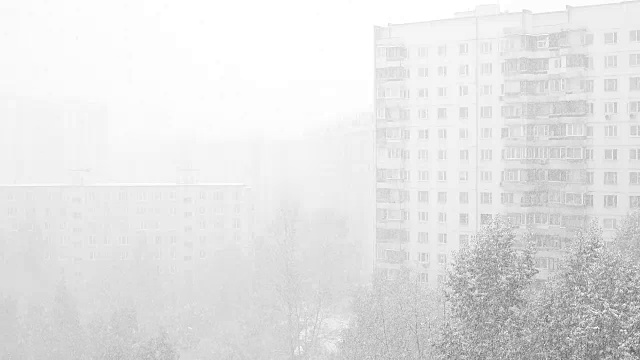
(224, 68)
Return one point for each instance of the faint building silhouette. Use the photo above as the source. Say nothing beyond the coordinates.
(43, 141)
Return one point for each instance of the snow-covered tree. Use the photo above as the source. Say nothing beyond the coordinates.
(9, 327)
(159, 347)
(66, 338)
(393, 319)
(591, 310)
(485, 292)
(627, 238)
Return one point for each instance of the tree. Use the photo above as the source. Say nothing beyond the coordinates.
(158, 348)
(627, 238)
(485, 292)
(66, 336)
(591, 310)
(393, 319)
(9, 328)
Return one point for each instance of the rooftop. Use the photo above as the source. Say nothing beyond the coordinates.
(494, 9)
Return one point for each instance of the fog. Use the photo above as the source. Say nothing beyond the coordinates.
(201, 180)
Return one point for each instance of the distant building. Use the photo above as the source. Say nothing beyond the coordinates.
(332, 169)
(533, 116)
(44, 141)
(167, 231)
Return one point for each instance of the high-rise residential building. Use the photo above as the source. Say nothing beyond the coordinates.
(48, 141)
(532, 116)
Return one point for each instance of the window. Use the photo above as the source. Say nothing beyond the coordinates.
(442, 154)
(485, 48)
(464, 240)
(442, 197)
(586, 85)
(588, 154)
(423, 134)
(463, 70)
(464, 133)
(485, 198)
(486, 69)
(611, 61)
(611, 107)
(634, 178)
(610, 178)
(634, 130)
(423, 114)
(442, 217)
(611, 154)
(486, 111)
(463, 176)
(442, 133)
(587, 39)
(442, 238)
(442, 113)
(442, 71)
(634, 83)
(506, 198)
(442, 176)
(423, 196)
(422, 52)
(486, 90)
(634, 35)
(611, 130)
(611, 38)
(464, 197)
(610, 84)
(485, 175)
(634, 202)
(463, 90)
(609, 224)
(634, 106)
(486, 154)
(423, 237)
(423, 175)
(464, 49)
(442, 50)
(634, 60)
(610, 201)
(423, 216)
(464, 155)
(423, 93)
(463, 113)
(634, 154)
(588, 200)
(423, 154)
(423, 257)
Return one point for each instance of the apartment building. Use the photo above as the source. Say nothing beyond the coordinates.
(532, 116)
(171, 232)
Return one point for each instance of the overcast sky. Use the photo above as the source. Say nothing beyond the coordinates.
(223, 68)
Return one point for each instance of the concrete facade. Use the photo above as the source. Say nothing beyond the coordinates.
(533, 116)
